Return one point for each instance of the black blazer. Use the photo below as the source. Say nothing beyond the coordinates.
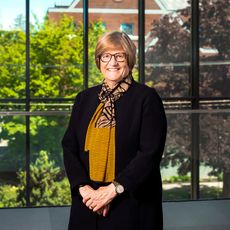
(140, 139)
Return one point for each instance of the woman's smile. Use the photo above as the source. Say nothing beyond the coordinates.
(113, 69)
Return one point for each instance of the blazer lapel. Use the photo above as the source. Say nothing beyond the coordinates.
(90, 106)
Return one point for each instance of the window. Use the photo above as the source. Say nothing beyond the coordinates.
(127, 28)
(56, 75)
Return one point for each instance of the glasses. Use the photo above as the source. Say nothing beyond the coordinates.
(119, 57)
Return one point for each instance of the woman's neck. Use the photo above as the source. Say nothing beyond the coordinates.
(112, 84)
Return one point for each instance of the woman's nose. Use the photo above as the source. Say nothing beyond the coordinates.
(113, 61)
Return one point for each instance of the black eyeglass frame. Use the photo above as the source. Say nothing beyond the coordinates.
(113, 55)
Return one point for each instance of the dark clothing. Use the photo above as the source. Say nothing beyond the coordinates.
(140, 139)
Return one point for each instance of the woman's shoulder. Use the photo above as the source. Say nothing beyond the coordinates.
(144, 90)
(148, 96)
(89, 91)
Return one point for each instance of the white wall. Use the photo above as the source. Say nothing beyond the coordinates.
(187, 215)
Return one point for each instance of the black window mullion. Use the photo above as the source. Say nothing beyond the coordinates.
(85, 42)
(141, 40)
(27, 103)
(195, 126)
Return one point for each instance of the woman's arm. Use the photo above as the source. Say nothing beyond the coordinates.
(151, 144)
(76, 173)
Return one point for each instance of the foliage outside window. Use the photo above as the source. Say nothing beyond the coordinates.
(57, 71)
(168, 68)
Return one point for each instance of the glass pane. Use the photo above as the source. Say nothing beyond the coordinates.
(215, 79)
(12, 16)
(12, 160)
(48, 180)
(215, 154)
(107, 16)
(6, 106)
(214, 48)
(127, 28)
(56, 49)
(12, 49)
(176, 162)
(56, 81)
(167, 46)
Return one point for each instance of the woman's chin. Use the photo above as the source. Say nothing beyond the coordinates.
(113, 77)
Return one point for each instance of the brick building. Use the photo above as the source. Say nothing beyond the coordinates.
(116, 14)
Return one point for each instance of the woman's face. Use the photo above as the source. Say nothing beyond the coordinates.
(114, 66)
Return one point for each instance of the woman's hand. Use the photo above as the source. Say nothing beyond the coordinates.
(100, 198)
(104, 210)
(94, 199)
(86, 190)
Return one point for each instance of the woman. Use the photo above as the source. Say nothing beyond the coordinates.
(113, 146)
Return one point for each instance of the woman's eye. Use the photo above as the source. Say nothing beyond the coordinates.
(106, 56)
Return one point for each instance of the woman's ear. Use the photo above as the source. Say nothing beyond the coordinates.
(98, 63)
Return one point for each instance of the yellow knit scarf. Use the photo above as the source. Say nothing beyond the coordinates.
(100, 142)
(100, 137)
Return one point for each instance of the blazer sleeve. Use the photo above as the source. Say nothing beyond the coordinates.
(151, 144)
(75, 170)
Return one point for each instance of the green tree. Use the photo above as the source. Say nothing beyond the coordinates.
(47, 186)
(56, 59)
(12, 64)
(8, 196)
(56, 71)
(95, 31)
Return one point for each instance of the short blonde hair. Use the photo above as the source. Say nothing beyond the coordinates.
(114, 40)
